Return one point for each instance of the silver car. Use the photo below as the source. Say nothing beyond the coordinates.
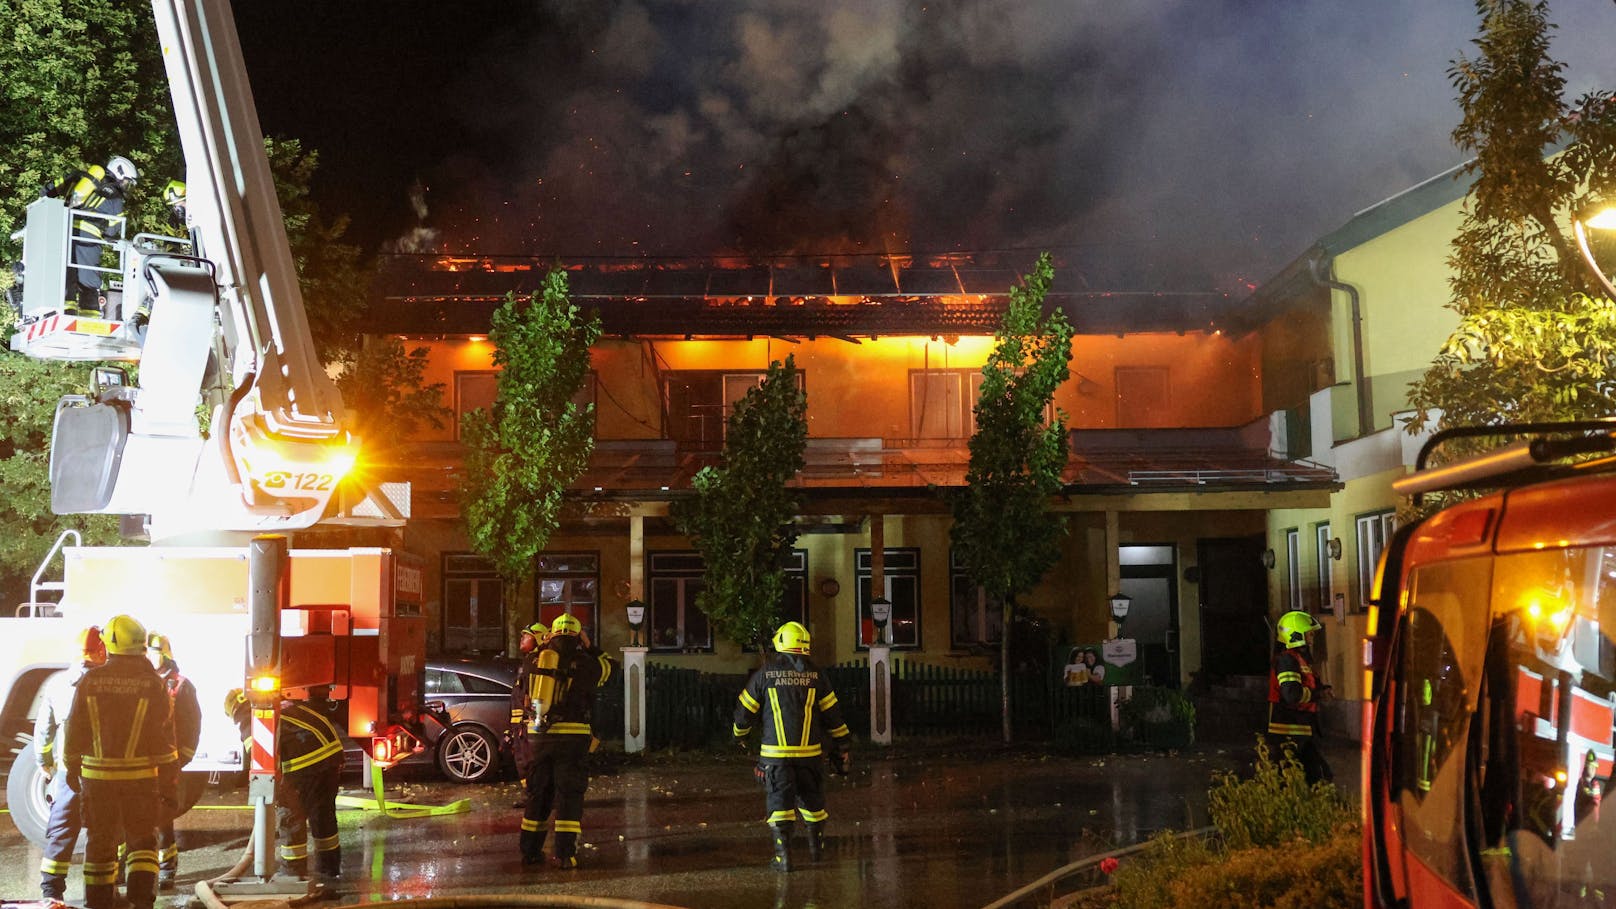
(475, 693)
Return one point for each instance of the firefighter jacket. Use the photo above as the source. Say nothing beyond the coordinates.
(50, 725)
(187, 712)
(120, 726)
(307, 737)
(1292, 692)
(93, 190)
(795, 707)
(578, 672)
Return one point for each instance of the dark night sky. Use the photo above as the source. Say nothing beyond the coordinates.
(1157, 144)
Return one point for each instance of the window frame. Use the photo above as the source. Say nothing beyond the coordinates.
(1366, 527)
(983, 607)
(892, 567)
(1321, 560)
(655, 572)
(541, 574)
(1293, 567)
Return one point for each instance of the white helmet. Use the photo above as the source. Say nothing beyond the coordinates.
(122, 169)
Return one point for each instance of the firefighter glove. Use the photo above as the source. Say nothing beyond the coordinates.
(757, 774)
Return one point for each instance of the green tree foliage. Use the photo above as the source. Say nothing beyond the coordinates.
(1536, 338)
(522, 454)
(1003, 532)
(383, 386)
(739, 518)
(29, 390)
(80, 82)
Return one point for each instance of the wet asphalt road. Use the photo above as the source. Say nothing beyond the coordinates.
(940, 828)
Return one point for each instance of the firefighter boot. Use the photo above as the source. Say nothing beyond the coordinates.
(782, 847)
(566, 850)
(532, 843)
(816, 840)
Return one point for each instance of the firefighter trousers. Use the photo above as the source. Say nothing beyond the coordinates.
(1307, 752)
(306, 814)
(120, 811)
(558, 781)
(794, 786)
(61, 837)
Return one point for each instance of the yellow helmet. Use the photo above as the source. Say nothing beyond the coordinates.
(566, 624)
(792, 638)
(159, 642)
(125, 635)
(234, 698)
(1294, 627)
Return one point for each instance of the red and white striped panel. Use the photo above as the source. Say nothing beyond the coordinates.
(263, 739)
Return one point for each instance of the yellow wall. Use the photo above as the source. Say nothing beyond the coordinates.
(862, 390)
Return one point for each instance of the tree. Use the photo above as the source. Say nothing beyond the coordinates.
(1536, 340)
(739, 518)
(523, 453)
(1004, 534)
(80, 82)
(29, 390)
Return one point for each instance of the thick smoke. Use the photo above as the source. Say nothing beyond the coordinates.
(1154, 145)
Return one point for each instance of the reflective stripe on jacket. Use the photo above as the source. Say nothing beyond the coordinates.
(120, 726)
(793, 705)
(306, 737)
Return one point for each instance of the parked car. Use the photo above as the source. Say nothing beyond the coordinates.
(475, 692)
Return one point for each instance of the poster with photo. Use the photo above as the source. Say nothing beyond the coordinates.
(1109, 663)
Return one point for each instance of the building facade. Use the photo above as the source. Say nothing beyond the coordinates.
(1173, 474)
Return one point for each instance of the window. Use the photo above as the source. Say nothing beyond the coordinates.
(698, 402)
(477, 389)
(1321, 555)
(975, 619)
(1293, 566)
(901, 572)
(936, 404)
(1374, 530)
(1143, 397)
(473, 605)
(473, 391)
(676, 623)
(794, 605)
(568, 582)
(441, 682)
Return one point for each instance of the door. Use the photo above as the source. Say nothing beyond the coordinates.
(1150, 577)
(1234, 606)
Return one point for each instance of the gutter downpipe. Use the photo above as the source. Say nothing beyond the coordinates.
(1321, 267)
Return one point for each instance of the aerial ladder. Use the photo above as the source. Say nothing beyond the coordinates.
(234, 436)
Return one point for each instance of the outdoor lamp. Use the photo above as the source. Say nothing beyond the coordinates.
(1119, 606)
(880, 614)
(1603, 219)
(636, 619)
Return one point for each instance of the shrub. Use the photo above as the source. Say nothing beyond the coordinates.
(1327, 875)
(1276, 806)
(1161, 717)
(1146, 881)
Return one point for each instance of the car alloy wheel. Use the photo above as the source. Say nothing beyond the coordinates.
(468, 754)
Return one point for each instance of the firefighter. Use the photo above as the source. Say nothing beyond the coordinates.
(187, 733)
(796, 709)
(309, 749)
(1294, 693)
(100, 190)
(521, 749)
(567, 668)
(50, 728)
(120, 734)
(174, 199)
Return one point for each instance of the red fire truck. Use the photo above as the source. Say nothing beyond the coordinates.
(1492, 671)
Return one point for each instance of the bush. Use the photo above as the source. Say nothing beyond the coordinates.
(1327, 875)
(1161, 717)
(1282, 844)
(1276, 806)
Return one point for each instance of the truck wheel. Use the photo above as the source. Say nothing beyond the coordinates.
(468, 754)
(25, 797)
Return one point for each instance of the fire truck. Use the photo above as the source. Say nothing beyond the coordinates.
(1491, 660)
(233, 437)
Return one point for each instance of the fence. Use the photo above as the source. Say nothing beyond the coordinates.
(687, 708)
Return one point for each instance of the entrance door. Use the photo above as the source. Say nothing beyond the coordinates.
(1149, 576)
(1234, 606)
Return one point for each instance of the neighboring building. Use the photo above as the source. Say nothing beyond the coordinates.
(1169, 487)
(1381, 282)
